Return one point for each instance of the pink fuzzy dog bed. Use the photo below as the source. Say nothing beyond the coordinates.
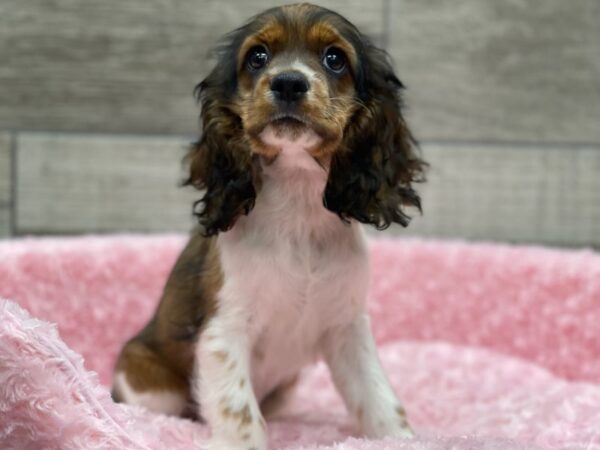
(491, 347)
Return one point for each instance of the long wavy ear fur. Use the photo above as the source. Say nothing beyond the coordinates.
(371, 174)
(220, 161)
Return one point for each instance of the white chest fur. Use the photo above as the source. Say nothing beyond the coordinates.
(295, 283)
(294, 268)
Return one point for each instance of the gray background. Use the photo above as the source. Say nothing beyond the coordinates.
(96, 109)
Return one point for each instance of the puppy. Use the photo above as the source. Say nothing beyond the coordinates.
(302, 140)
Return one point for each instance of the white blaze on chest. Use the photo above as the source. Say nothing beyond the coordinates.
(294, 267)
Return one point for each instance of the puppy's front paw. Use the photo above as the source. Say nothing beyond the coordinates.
(403, 431)
(392, 425)
(252, 438)
(403, 428)
(225, 444)
(390, 430)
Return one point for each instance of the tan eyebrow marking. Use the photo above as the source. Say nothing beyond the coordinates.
(272, 35)
(323, 35)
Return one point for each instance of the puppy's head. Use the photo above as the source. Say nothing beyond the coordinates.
(298, 71)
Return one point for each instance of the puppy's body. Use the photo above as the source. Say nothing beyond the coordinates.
(302, 140)
(292, 275)
(293, 268)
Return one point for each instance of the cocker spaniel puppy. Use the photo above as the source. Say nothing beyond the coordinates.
(302, 140)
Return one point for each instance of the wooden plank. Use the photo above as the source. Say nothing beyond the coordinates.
(83, 183)
(5, 185)
(114, 66)
(518, 70)
(517, 194)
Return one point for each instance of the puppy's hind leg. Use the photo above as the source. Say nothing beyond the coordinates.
(143, 378)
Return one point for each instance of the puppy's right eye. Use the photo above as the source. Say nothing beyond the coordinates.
(257, 58)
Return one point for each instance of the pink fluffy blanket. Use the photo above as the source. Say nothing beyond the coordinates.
(491, 347)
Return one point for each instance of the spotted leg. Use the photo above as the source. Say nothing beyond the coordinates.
(223, 387)
(351, 354)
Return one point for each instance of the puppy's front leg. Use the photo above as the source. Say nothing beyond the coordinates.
(223, 385)
(351, 354)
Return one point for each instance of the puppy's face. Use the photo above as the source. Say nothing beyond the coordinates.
(295, 72)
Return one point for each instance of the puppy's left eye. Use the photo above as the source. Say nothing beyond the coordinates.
(334, 59)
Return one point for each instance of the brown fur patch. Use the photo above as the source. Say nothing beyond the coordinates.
(359, 413)
(402, 414)
(243, 416)
(258, 353)
(231, 365)
(161, 355)
(145, 370)
(220, 355)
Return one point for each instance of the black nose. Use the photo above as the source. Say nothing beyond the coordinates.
(289, 87)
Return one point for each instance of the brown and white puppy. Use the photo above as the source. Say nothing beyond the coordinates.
(303, 140)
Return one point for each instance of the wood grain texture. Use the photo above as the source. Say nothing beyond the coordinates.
(518, 70)
(87, 183)
(114, 66)
(77, 183)
(5, 185)
(532, 194)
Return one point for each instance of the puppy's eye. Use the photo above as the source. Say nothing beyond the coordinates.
(334, 59)
(257, 58)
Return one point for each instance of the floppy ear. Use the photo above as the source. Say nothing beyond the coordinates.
(220, 161)
(371, 174)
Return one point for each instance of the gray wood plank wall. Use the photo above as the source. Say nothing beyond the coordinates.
(96, 108)
(498, 70)
(119, 67)
(122, 183)
(515, 193)
(5, 184)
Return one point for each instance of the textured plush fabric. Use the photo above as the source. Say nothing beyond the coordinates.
(490, 347)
